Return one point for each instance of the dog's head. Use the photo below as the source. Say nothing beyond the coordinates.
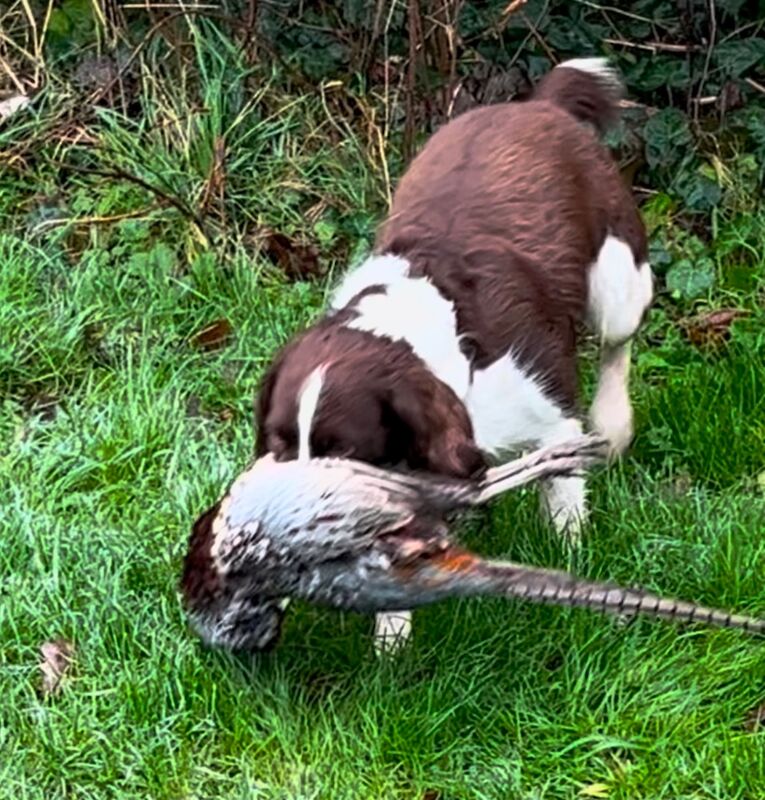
(346, 393)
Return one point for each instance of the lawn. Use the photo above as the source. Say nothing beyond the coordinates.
(127, 408)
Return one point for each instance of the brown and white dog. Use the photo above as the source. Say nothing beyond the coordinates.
(455, 342)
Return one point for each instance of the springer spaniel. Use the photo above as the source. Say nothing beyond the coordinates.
(455, 342)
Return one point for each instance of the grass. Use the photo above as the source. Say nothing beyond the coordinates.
(117, 430)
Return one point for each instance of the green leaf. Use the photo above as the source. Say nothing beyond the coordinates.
(667, 137)
(737, 56)
(325, 231)
(760, 480)
(752, 120)
(731, 7)
(688, 279)
(649, 74)
(574, 36)
(699, 191)
(59, 23)
(659, 258)
(650, 360)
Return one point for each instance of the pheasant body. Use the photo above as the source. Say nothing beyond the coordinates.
(351, 536)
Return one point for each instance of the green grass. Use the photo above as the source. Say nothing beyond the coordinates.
(492, 699)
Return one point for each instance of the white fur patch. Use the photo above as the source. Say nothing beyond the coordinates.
(375, 270)
(619, 293)
(308, 403)
(510, 409)
(412, 310)
(593, 66)
(611, 410)
(564, 502)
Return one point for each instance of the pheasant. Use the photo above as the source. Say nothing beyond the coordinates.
(348, 535)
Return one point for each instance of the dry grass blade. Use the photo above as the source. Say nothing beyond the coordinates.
(755, 719)
(57, 658)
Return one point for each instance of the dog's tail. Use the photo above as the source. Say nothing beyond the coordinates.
(587, 88)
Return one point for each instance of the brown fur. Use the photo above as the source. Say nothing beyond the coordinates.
(382, 410)
(505, 209)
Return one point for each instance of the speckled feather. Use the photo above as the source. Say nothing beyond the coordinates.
(351, 536)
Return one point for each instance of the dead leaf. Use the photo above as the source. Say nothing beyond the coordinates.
(431, 794)
(44, 406)
(296, 261)
(755, 719)
(730, 97)
(213, 336)
(57, 660)
(13, 104)
(215, 187)
(711, 328)
(226, 414)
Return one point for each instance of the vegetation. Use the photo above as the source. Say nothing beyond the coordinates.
(174, 201)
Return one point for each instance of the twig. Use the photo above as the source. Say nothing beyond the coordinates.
(538, 36)
(755, 85)
(656, 47)
(708, 59)
(415, 42)
(120, 174)
(512, 7)
(80, 221)
(615, 10)
(528, 36)
(12, 75)
(216, 180)
(153, 6)
(758, 23)
(252, 18)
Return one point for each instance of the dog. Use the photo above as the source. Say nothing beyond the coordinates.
(454, 343)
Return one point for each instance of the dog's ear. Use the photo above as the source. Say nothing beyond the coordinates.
(263, 405)
(439, 425)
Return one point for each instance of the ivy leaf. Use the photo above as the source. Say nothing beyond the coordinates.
(688, 279)
(649, 74)
(659, 258)
(699, 191)
(574, 36)
(358, 13)
(737, 56)
(752, 120)
(667, 137)
(731, 7)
